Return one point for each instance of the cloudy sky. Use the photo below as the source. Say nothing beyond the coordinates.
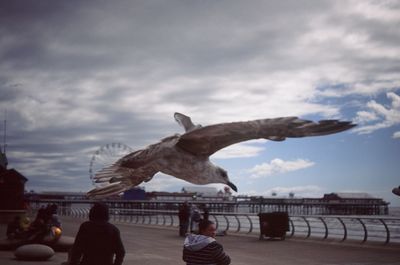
(77, 75)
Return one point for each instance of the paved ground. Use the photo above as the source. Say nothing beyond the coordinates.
(159, 245)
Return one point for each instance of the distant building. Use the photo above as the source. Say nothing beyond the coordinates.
(201, 191)
(12, 186)
(208, 193)
(348, 196)
(135, 193)
(57, 195)
(3, 160)
(358, 203)
(170, 196)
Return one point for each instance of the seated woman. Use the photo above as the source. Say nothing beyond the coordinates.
(46, 228)
(14, 228)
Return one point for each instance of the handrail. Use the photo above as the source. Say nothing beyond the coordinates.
(365, 230)
(292, 226)
(387, 231)
(238, 223)
(325, 226)
(251, 225)
(344, 229)
(357, 228)
(227, 223)
(308, 226)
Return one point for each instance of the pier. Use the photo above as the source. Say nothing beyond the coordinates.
(330, 204)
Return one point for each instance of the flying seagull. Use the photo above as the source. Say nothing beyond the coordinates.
(186, 156)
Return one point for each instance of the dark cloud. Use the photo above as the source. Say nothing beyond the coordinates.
(193, 38)
(75, 75)
(9, 92)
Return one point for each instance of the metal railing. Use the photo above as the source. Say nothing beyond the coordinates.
(339, 228)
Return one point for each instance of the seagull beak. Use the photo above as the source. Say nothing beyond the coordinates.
(232, 186)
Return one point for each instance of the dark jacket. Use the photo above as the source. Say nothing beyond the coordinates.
(184, 213)
(200, 249)
(96, 244)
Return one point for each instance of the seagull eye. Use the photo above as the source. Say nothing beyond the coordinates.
(224, 173)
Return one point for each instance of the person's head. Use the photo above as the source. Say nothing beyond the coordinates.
(53, 209)
(207, 228)
(99, 212)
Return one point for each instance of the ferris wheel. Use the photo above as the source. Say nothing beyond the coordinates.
(105, 156)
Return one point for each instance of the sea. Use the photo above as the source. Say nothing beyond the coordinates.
(394, 211)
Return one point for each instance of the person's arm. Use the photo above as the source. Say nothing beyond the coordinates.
(220, 257)
(119, 250)
(77, 248)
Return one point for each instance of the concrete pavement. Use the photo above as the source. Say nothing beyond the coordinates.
(151, 245)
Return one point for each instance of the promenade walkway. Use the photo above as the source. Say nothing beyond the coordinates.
(154, 245)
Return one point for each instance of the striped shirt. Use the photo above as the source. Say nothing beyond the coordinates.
(205, 252)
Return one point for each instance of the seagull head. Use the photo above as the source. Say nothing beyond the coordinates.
(222, 176)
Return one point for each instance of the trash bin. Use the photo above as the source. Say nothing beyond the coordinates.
(274, 224)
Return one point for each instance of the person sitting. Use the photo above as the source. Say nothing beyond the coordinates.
(14, 228)
(52, 217)
(97, 241)
(38, 228)
(203, 248)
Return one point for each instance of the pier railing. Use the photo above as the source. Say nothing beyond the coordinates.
(361, 229)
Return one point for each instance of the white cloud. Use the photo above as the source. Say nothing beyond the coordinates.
(396, 135)
(365, 116)
(384, 11)
(277, 166)
(388, 116)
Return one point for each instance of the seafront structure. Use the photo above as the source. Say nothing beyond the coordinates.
(12, 186)
(329, 204)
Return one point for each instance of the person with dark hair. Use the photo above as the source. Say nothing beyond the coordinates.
(39, 219)
(51, 217)
(38, 228)
(97, 241)
(202, 248)
(14, 228)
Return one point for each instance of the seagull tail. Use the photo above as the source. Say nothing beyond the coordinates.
(324, 127)
(295, 127)
(107, 191)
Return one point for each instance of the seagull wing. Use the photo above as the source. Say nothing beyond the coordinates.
(115, 179)
(396, 191)
(127, 172)
(209, 139)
